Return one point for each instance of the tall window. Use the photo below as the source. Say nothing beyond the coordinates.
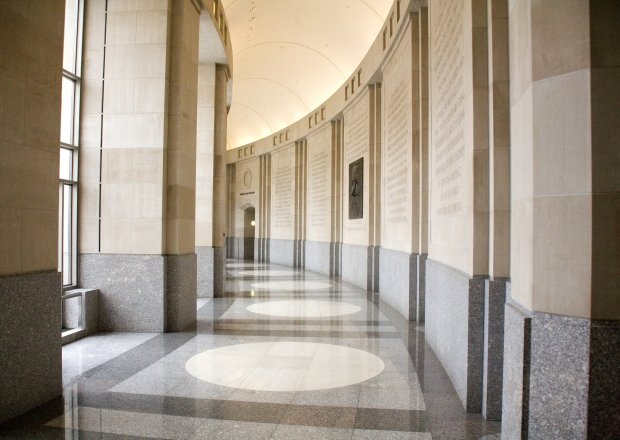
(69, 136)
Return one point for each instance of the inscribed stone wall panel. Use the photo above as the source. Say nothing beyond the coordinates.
(283, 193)
(318, 212)
(451, 167)
(356, 145)
(396, 231)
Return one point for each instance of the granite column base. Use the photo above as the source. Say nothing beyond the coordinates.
(318, 257)
(398, 281)
(455, 328)
(299, 253)
(360, 266)
(142, 293)
(180, 293)
(420, 287)
(335, 259)
(560, 377)
(282, 252)
(263, 250)
(493, 363)
(31, 360)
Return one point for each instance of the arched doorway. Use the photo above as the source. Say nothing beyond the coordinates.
(249, 228)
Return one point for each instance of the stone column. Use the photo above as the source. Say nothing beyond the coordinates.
(30, 284)
(204, 179)
(137, 198)
(562, 347)
(219, 179)
(499, 208)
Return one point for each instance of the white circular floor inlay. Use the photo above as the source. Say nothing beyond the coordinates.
(271, 273)
(301, 308)
(284, 366)
(291, 285)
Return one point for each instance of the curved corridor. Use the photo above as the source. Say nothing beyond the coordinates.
(286, 354)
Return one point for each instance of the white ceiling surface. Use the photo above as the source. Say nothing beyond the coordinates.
(292, 56)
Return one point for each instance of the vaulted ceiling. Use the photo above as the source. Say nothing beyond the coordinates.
(291, 55)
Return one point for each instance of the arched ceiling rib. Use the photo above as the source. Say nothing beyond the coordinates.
(291, 55)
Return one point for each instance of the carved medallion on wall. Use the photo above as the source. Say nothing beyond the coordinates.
(247, 178)
(356, 189)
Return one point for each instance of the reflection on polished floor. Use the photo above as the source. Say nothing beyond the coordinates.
(286, 354)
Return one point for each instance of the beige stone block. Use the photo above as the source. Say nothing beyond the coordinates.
(90, 131)
(10, 241)
(500, 179)
(147, 165)
(89, 169)
(606, 256)
(152, 4)
(480, 57)
(39, 239)
(89, 234)
(118, 96)
(500, 245)
(562, 142)
(89, 200)
(522, 251)
(116, 201)
(92, 92)
(149, 95)
(116, 165)
(204, 165)
(146, 236)
(42, 119)
(500, 114)
(28, 178)
(499, 52)
(146, 201)
(115, 236)
(180, 237)
(121, 27)
(520, 47)
(481, 181)
(480, 244)
(49, 17)
(136, 61)
(122, 5)
(605, 89)
(604, 33)
(560, 37)
(204, 232)
(152, 26)
(562, 261)
(180, 202)
(131, 131)
(12, 109)
(179, 165)
(522, 148)
(92, 62)
(94, 24)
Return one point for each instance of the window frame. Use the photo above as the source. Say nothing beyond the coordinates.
(71, 181)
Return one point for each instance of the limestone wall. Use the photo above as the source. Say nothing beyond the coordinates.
(283, 193)
(564, 242)
(30, 284)
(398, 207)
(319, 202)
(204, 154)
(30, 83)
(356, 145)
(458, 206)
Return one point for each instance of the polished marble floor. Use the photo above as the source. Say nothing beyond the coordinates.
(286, 354)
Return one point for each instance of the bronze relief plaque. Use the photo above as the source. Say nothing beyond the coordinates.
(356, 189)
